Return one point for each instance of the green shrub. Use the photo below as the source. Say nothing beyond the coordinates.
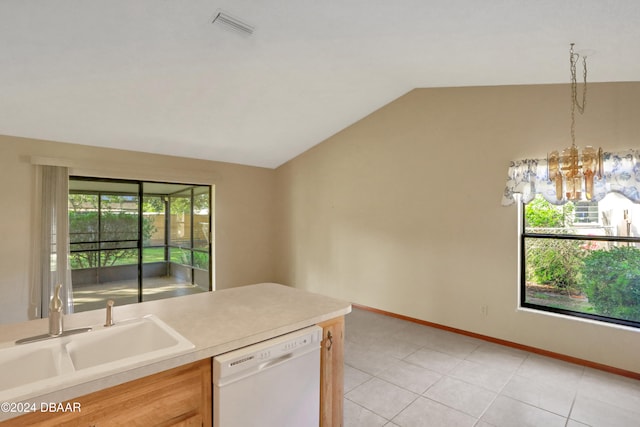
(87, 229)
(549, 261)
(611, 280)
(554, 262)
(540, 213)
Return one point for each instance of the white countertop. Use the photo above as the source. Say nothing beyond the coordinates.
(215, 322)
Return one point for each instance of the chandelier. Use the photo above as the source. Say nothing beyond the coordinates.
(571, 171)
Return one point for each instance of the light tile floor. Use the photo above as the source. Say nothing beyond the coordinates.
(399, 373)
(122, 292)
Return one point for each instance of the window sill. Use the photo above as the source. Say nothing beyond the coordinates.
(578, 319)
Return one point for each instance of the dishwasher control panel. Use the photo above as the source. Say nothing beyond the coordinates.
(266, 353)
(293, 344)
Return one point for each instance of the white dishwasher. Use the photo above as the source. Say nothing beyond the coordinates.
(274, 383)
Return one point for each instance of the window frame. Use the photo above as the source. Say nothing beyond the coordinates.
(578, 237)
(140, 246)
(99, 248)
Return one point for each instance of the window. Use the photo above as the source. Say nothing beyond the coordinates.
(586, 213)
(133, 241)
(583, 259)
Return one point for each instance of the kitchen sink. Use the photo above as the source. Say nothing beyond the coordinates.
(26, 364)
(130, 341)
(54, 363)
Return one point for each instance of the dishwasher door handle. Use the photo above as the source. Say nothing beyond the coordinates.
(274, 362)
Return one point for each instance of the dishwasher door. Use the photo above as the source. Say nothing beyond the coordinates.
(275, 383)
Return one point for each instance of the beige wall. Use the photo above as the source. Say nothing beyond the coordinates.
(243, 209)
(401, 211)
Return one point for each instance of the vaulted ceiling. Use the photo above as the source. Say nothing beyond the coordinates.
(157, 76)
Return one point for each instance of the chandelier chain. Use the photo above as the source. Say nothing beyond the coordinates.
(573, 171)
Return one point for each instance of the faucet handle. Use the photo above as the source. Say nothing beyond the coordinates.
(110, 321)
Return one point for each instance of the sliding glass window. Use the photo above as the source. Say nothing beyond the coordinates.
(134, 241)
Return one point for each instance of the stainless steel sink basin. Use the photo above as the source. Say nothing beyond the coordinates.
(50, 364)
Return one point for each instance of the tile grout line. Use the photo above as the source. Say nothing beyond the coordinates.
(499, 393)
(443, 376)
(575, 397)
(388, 420)
(418, 395)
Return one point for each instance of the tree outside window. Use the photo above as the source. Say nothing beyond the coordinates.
(581, 261)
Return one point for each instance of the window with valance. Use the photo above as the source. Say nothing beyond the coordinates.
(580, 258)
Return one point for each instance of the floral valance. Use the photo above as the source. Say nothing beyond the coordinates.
(529, 177)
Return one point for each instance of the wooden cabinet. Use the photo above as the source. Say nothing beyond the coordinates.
(177, 397)
(332, 373)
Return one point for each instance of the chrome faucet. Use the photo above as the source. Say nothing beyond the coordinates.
(55, 313)
(110, 321)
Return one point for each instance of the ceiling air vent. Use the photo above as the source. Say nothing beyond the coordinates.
(233, 23)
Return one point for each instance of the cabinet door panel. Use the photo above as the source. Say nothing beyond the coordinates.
(179, 396)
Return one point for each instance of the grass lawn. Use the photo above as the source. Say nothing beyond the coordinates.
(549, 296)
(156, 254)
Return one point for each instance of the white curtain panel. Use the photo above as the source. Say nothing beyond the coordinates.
(50, 240)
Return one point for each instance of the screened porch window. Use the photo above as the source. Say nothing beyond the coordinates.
(134, 241)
